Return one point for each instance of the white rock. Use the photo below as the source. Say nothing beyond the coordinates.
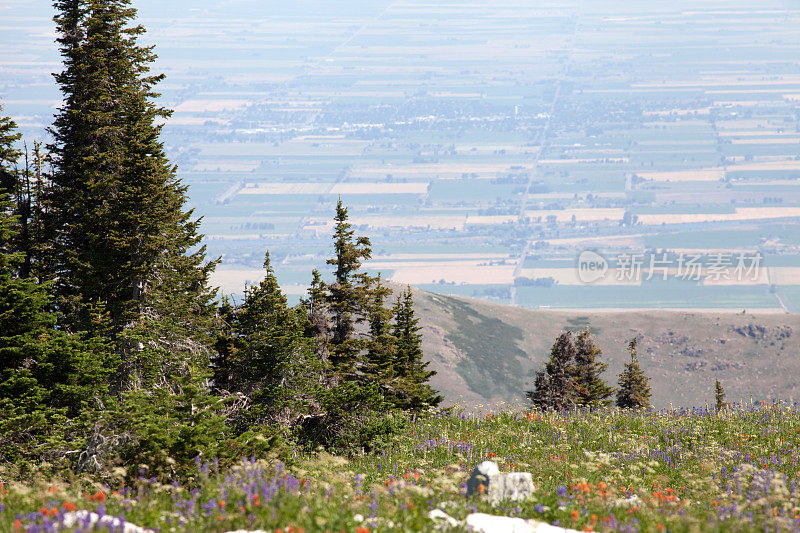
(439, 515)
(486, 523)
(515, 486)
(87, 519)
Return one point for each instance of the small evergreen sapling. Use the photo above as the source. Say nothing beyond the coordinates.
(634, 390)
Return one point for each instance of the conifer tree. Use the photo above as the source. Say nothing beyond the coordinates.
(9, 153)
(590, 388)
(555, 388)
(540, 394)
(268, 358)
(379, 364)
(719, 396)
(634, 390)
(348, 296)
(415, 393)
(121, 238)
(317, 325)
(47, 377)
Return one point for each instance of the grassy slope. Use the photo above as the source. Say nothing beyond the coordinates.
(486, 353)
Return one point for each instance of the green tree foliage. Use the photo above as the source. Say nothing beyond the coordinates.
(265, 356)
(413, 392)
(165, 428)
(634, 390)
(719, 396)
(47, 376)
(380, 362)
(120, 238)
(348, 296)
(590, 388)
(555, 387)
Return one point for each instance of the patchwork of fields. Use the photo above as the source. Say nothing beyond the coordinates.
(482, 146)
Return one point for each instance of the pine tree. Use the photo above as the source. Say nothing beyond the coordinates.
(317, 325)
(634, 391)
(348, 295)
(414, 394)
(719, 396)
(540, 395)
(590, 388)
(267, 357)
(379, 364)
(47, 376)
(121, 239)
(9, 154)
(555, 388)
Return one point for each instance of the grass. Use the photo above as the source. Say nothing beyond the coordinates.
(610, 470)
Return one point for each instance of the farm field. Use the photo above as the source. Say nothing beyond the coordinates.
(536, 129)
(669, 470)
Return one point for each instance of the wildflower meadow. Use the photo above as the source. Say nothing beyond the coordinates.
(606, 470)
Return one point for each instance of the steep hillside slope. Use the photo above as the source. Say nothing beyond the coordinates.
(485, 353)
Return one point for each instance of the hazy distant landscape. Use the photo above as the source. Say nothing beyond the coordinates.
(481, 146)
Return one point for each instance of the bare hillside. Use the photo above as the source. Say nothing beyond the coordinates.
(486, 353)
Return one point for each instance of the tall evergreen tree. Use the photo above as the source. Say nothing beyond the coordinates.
(590, 388)
(9, 153)
(634, 390)
(555, 388)
(414, 394)
(317, 325)
(348, 295)
(379, 364)
(121, 239)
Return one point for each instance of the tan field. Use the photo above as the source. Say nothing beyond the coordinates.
(378, 221)
(472, 273)
(438, 257)
(751, 133)
(784, 275)
(380, 188)
(583, 215)
(772, 140)
(631, 241)
(721, 81)
(703, 174)
(569, 276)
(742, 213)
(490, 220)
(286, 188)
(790, 164)
(584, 160)
(434, 169)
(210, 106)
(234, 281)
(238, 165)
